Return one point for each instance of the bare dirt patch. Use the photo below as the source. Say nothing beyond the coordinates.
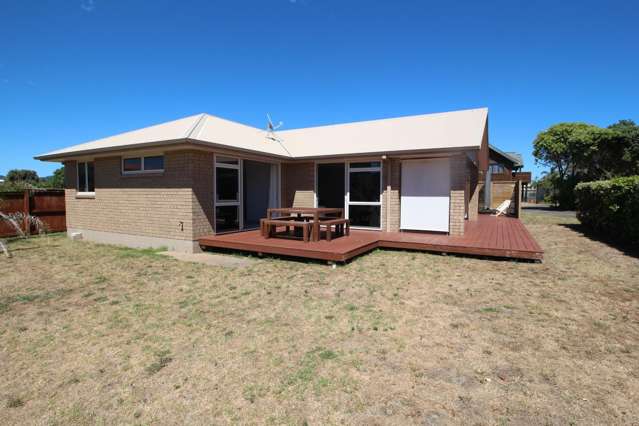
(98, 334)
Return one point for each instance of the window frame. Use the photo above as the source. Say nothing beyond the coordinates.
(233, 163)
(82, 189)
(496, 169)
(230, 161)
(142, 170)
(379, 203)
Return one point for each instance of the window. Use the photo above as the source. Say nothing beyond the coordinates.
(365, 215)
(364, 194)
(132, 165)
(331, 188)
(86, 177)
(227, 184)
(155, 163)
(227, 161)
(227, 219)
(151, 163)
(227, 194)
(367, 165)
(497, 168)
(365, 186)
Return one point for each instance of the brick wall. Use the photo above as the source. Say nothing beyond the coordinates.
(178, 203)
(298, 184)
(202, 195)
(391, 201)
(458, 174)
(162, 205)
(298, 190)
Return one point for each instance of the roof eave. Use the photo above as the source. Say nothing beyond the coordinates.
(513, 160)
(234, 148)
(63, 155)
(389, 153)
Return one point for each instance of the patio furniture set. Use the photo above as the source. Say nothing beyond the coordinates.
(306, 222)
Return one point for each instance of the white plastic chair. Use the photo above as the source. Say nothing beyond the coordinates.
(503, 208)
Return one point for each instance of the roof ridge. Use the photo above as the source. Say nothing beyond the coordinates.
(189, 133)
(228, 120)
(385, 119)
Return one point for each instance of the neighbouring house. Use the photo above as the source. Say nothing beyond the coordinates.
(172, 183)
(504, 179)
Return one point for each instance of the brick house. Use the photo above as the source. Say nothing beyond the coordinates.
(172, 183)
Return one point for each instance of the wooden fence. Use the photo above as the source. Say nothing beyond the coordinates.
(47, 205)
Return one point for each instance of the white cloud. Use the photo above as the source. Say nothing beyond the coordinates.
(88, 5)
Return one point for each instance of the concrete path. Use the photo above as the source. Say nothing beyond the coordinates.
(211, 259)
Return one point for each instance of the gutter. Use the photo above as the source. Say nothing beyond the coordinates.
(63, 156)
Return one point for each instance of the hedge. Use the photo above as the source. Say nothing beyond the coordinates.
(610, 207)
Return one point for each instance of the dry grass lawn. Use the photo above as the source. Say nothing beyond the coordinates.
(97, 334)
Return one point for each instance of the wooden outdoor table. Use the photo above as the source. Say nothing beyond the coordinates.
(316, 212)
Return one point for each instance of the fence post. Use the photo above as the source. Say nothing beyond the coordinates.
(26, 209)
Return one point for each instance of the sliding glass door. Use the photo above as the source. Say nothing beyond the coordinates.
(364, 194)
(330, 185)
(227, 194)
(260, 191)
(244, 190)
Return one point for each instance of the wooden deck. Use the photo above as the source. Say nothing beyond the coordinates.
(503, 237)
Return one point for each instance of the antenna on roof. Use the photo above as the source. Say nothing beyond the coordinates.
(271, 128)
(270, 132)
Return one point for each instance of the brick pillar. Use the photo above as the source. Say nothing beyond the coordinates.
(391, 197)
(458, 173)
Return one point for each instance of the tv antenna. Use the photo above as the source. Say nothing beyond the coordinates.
(271, 128)
(270, 132)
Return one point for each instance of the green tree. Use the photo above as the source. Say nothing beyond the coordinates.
(568, 149)
(628, 133)
(57, 180)
(22, 175)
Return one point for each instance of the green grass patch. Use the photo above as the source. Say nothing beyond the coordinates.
(162, 360)
(327, 354)
(128, 252)
(306, 374)
(14, 402)
(7, 301)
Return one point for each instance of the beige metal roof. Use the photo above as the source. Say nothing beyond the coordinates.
(449, 130)
(170, 131)
(218, 131)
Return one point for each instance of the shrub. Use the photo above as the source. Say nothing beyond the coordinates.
(610, 207)
(16, 221)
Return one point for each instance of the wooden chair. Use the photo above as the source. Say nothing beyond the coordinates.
(342, 227)
(269, 226)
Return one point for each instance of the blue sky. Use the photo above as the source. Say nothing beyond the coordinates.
(77, 70)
